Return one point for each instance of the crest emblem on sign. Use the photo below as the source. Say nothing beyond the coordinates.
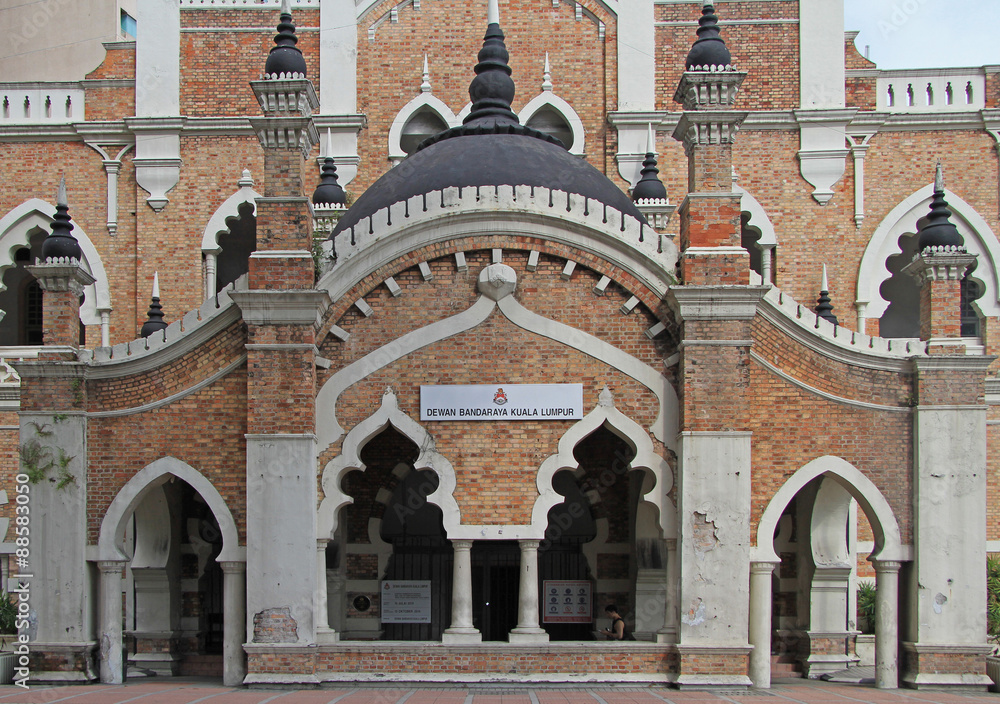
(499, 398)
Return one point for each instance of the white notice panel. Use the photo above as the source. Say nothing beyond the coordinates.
(406, 602)
(502, 402)
(566, 601)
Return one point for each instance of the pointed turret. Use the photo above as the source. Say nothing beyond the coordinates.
(492, 90)
(285, 60)
(155, 321)
(709, 50)
(425, 85)
(824, 309)
(649, 186)
(60, 242)
(938, 230)
(547, 75)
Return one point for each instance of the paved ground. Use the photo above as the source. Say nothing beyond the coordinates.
(196, 691)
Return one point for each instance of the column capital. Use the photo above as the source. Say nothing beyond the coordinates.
(461, 544)
(233, 566)
(886, 566)
(763, 566)
(110, 566)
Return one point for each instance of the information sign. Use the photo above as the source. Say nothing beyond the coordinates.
(567, 601)
(501, 402)
(406, 601)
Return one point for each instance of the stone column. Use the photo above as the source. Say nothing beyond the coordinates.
(462, 629)
(234, 622)
(112, 670)
(211, 280)
(527, 630)
(886, 623)
(760, 622)
(324, 633)
(112, 167)
(668, 634)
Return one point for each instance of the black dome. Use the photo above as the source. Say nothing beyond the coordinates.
(488, 160)
(709, 49)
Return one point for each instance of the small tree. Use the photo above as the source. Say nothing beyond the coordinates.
(993, 600)
(8, 618)
(866, 606)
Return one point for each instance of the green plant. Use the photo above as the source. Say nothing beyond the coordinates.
(993, 598)
(866, 606)
(37, 460)
(8, 617)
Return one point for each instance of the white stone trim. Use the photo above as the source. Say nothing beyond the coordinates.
(868, 496)
(424, 100)
(645, 458)
(758, 218)
(229, 209)
(979, 239)
(112, 532)
(565, 110)
(515, 211)
(34, 212)
(349, 460)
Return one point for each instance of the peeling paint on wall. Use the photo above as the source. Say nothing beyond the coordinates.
(275, 626)
(703, 534)
(939, 601)
(694, 616)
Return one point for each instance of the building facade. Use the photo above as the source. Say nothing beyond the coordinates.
(703, 325)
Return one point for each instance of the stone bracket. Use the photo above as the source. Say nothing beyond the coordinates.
(822, 154)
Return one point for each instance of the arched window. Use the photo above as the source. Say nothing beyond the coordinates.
(551, 122)
(21, 298)
(236, 244)
(421, 125)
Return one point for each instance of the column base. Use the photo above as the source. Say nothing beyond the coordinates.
(944, 666)
(704, 666)
(326, 636)
(827, 652)
(528, 635)
(666, 635)
(63, 663)
(461, 636)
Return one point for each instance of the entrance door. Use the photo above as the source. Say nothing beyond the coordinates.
(496, 572)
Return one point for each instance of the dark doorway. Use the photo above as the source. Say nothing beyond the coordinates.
(496, 572)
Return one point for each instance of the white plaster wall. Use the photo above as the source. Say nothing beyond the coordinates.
(338, 51)
(636, 52)
(157, 59)
(61, 588)
(281, 528)
(714, 486)
(950, 540)
(821, 57)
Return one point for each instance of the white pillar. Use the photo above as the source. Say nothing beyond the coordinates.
(668, 634)
(527, 630)
(210, 275)
(462, 629)
(112, 670)
(760, 622)
(767, 263)
(234, 620)
(859, 151)
(324, 634)
(112, 167)
(105, 328)
(886, 623)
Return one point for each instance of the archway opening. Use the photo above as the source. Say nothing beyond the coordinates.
(902, 316)
(174, 592)
(422, 124)
(21, 299)
(236, 245)
(749, 237)
(550, 121)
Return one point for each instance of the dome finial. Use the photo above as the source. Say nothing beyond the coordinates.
(709, 49)
(329, 190)
(285, 60)
(425, 86)
(493, 12)
(60, 242)
(492, 90)
(938, 230)
(824, 309)
(649, 186)
(547, 74)
(155, 321)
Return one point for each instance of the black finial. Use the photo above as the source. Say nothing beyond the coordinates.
(329, 192)
(708, 49)
(824, 309)
(285, 58)
(649, 185)
(492, 90)
(60, 242)
(155, 323)
(938, 230)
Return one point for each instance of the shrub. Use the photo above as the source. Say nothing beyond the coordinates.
(993, 598)
(866, 606)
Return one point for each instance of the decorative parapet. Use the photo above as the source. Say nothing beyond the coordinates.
(931, 90)
(709, 88)
(832, 340)
(286, 96)
(940, 263)
(181, 335)
(326, 215)
(656, 210)
(41, 103)
(571, 213)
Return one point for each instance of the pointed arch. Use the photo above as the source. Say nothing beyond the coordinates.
(888, 544)
(112, 533)
(423, 102)
(758, 217)
(606, 415)
(546, 99)
(15, 231)
(230, 208)
(349, 460)
(976, 233)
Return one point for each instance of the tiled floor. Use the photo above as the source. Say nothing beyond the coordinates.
(210, 692)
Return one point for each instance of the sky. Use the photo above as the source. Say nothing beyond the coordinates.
(926, 33)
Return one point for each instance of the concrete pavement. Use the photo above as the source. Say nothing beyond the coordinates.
(209, 691)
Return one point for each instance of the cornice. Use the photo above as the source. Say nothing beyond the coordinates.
(979, 364)
(715, 302)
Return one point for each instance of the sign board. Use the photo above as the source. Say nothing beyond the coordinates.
(502, 402)
(406, 602)
(567, 601)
